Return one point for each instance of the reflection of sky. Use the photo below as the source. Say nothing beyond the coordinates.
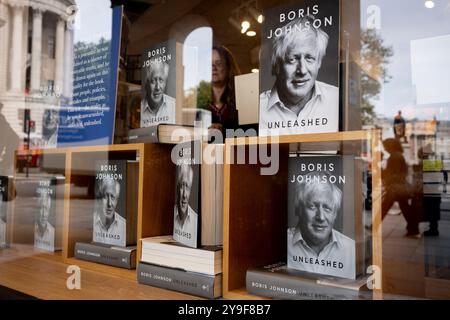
(197, 57)
(416, 89)
(93, 20)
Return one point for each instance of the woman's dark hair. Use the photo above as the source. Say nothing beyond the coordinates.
(232, 70)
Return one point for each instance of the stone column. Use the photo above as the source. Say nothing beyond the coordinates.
(36, 50)
(68, 63)
(4, 46)
(16, 44)
(59, 55)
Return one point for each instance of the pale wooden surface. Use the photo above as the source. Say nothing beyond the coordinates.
(43, 275)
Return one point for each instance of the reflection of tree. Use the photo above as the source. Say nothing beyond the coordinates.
(375, 57)
(203, 95)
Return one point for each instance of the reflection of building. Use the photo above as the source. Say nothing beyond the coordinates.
(35, 57)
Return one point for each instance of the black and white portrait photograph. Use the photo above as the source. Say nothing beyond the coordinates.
(299, 69)
(44, 229)
(318, 239)
(50, 123)
(109, 219)
(186, 216)
(158, 85)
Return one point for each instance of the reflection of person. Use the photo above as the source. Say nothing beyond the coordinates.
(2, 221)
(399, 126)
(397, 188)
(298, 102)
(223, 104)
(44, 232)
(157, 106)
(9, 142)
(109, 226)
(50, 128)
(185, 218)
(314, 245)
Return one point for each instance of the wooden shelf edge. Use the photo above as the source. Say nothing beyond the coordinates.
(102, 268)
(309, 137)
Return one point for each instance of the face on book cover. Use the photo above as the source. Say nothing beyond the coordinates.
(109, 196)
(298, 69)
(318, 216)
(156, 85)
(184, 185)
(45, 202)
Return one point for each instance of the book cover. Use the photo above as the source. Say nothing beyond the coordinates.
(158, 103)
(299, 64)
(45, 235)
(123, 257)
(279, 282)
(187, 215)
(324, 233)
(179, 280)
(5, 198)
(112, 217)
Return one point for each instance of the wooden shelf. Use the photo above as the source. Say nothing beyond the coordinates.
(44, 275)
(155, 198)
(156, 186)
(255, 205)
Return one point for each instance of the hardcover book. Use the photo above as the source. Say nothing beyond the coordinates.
(299, 63)
(115, 208)
(187, 215)
(279, 282)
(158, 103)
(179, 280)
(165, 251)
(6, 195)
(123, 257)
(325, 232)
(48, 221)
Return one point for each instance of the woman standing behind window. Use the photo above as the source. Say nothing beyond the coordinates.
(223, 104)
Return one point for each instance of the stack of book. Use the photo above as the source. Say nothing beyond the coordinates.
(168, 264)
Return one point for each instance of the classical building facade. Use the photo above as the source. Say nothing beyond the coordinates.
(36, 58)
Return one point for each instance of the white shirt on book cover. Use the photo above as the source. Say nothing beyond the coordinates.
(165, 113)
(320, 114)
(114, 235)
(337, 258)
(45, 241)
(186, 232)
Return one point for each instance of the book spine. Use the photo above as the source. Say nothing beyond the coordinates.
(177, 280)
(104, 255)
(150, 135)
(267, 284)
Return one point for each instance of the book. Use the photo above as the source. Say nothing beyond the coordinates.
(115, 204)
(49, 193)
(280, 282)
(159, 68)
(123, 257)
(325, 233)
(299, 69)
(165, 251)
(6, 196)
(212, 195)
(187, 204)
(163, 133)
(179, 280)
